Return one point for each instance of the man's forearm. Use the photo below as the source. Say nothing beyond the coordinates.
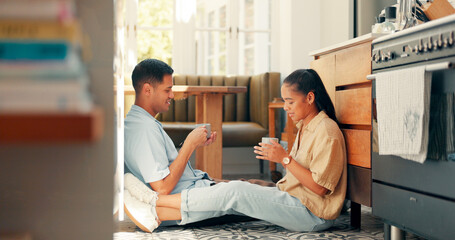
(176, 169)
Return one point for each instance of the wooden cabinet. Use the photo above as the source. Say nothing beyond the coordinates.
(325, 66)
(353, 64)
(343, 69)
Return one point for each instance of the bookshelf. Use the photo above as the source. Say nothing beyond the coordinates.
(51, 127)
(54, 158)
(44, 80)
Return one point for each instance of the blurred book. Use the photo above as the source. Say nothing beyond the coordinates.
(30, 86)
(60, 10)
(35, 95)
(71, 67)
(40, 29)
(46, 103)
(32, 50)
(41, 69)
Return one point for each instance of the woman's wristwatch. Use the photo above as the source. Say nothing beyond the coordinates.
(286, 161)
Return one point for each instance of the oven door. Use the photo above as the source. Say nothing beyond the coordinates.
(421, 197)
(437, 174)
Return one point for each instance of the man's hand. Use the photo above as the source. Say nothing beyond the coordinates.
(198, 137)
(211, 139)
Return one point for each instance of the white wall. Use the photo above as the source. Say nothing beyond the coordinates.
(305, 26)
(337, 21)
(366, 12)
(65, 191)
(185, 21)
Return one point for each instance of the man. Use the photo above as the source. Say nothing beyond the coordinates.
(150, 154)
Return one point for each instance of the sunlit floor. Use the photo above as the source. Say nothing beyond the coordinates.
(371, 228)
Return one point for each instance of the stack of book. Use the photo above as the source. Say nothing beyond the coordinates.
(41, 69)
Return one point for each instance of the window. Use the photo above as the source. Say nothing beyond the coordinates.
(223, 36)
(154, 35)
(211, 37)
(254, 37)
(233, 37)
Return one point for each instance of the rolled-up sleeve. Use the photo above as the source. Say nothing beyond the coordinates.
(327, 164)
(149, 154)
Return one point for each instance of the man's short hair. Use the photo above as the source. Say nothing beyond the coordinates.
(149, 71)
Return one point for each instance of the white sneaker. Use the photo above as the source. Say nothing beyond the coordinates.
(140, 204)
(139, 190)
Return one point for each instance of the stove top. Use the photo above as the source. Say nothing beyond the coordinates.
(429, 41)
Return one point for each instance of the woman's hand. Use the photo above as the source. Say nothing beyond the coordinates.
(273, 152)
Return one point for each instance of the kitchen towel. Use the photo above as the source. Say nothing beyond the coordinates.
(403, 112)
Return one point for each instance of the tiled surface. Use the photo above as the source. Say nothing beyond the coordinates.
(372, 228)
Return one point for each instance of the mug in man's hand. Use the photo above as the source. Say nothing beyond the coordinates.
(269, 140)
(207, 126)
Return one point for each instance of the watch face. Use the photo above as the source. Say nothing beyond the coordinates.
(286, 160)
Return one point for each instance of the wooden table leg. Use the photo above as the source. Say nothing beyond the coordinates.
(275, 175)
(291, 132)
(209, 109)
(272, 165)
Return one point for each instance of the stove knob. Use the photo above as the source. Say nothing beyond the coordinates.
(376, 57)
(390, 55)
(425, 47)
(419, 48)
(383, 57)
(439, 41)
(430, 44)
(450, 41)
(407, 48)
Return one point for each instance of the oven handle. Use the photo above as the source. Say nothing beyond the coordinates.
(428, 68)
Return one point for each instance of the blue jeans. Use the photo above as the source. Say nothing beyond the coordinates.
(243, 198)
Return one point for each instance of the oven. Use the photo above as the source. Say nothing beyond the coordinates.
(406, 195)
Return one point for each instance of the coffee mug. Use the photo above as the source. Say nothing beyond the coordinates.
(207, 126)
(269, 140)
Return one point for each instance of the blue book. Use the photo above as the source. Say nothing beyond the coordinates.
(69, 68)
(33, 50)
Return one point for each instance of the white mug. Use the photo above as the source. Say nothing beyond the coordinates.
(207, 126)
(269, 140)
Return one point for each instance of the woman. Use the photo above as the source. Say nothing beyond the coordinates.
(308, 198)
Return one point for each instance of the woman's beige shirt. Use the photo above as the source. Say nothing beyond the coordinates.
(320, 148)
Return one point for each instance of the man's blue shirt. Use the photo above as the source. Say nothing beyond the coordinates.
(149, 152)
